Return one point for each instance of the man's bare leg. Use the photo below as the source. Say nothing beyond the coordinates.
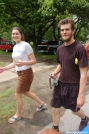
(80, 113)
(84, 119)
(56, 118)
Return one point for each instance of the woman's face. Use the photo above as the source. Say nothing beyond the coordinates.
(16, 36)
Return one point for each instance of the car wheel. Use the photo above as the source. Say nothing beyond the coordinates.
(6, 50)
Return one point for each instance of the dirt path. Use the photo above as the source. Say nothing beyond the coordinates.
(32, 121)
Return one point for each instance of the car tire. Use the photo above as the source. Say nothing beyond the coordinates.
(6, 50)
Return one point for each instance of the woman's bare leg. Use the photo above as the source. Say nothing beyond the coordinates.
(34, 97)
(19, 103)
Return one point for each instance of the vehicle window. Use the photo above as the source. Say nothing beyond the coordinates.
(44, 43)
(3, 43)
(11, 43)
(60, 42)
(53, 42)
(56, 42)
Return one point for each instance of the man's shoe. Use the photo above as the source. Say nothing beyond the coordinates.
(83, 123)
(55, 128)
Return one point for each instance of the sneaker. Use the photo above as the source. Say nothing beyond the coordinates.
(57, 129)
(83, 123)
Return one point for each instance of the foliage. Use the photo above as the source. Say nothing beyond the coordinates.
(38, 19)
(81, 10)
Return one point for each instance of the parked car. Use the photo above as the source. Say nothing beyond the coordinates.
(6, 46)
(49, 46)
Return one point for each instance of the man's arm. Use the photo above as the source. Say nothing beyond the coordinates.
(82, 86)
(57, 70)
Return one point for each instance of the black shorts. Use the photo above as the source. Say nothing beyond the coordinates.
(65, 94)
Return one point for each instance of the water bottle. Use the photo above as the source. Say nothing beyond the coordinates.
(55, 82)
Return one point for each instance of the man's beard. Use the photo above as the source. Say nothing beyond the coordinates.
(67, 39)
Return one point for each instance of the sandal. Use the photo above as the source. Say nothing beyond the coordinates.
(40, 108)
(14, 119)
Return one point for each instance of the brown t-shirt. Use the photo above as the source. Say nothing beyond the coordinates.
(71, 58)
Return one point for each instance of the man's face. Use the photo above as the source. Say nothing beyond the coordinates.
(66, 32)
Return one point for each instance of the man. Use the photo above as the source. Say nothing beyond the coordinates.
(72, 62)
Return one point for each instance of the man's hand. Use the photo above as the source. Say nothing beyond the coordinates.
(53, 75)
(56, 72)
(80, 102)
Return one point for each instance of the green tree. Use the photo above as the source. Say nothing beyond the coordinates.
(38, 19)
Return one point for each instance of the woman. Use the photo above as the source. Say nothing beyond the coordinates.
(23, 58)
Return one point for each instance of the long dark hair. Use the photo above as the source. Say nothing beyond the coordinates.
(19, 29)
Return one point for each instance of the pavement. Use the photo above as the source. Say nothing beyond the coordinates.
(68, 122)
(11, 73)
(8, 75)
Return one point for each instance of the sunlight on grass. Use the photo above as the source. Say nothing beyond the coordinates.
(6, 93)
(7, 104)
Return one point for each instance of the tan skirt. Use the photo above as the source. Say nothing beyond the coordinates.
(25, 79)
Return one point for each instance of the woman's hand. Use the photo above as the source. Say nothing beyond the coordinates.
(2, 69)
(19, 63)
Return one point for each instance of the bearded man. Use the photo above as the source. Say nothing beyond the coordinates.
(72, 65)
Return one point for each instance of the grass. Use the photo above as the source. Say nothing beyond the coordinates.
(44, 57)
(9, 132)
(3, 53)
(7, 104)
(2, 64)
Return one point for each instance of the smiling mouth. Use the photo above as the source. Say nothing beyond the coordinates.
(15, 38)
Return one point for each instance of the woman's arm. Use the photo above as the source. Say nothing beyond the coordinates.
(30, 62)
(8, 66)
